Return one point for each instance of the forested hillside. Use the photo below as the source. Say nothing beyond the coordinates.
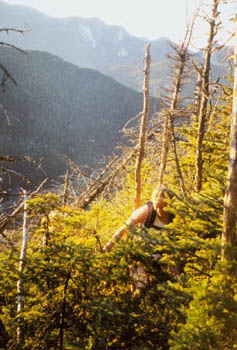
(58, 109)
(76, 296)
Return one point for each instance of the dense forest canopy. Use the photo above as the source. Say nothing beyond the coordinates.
(59, 290)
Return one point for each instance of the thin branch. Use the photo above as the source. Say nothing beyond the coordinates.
(7, 30)
(2, 43)
(130, 120)
(8, 75)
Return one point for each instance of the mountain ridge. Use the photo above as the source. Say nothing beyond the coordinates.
(90, 43)
(83, 34)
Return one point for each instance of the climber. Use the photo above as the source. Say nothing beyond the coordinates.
(151, 215)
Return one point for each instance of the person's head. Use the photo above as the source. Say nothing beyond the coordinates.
(158, 198)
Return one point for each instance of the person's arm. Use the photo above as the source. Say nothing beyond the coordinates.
(138, 217)
(115, 238)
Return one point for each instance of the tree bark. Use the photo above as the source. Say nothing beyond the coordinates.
(229, 234)
(164, 148)
(143, 127)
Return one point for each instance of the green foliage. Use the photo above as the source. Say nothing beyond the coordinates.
(212, 315)
(75, 297)
(99, 306)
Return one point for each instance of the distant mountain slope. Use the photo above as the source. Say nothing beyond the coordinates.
(88, 42)
(130, 75)
(59, 109)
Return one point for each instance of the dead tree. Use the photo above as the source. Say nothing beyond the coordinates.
(65, 189)
(176, 158)
(108, 175)
(103, 180)
(205, 91)
(164, 147)
(21, 268)
(229, 234)
(143, 127)
(180, 59)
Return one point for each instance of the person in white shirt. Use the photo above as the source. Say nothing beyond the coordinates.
(151, 215)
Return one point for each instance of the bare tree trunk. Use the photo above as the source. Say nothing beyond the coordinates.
(198, 90)
(179, 171)
(229, 235)
(21, 267)
(164, 149)
(202, 118)
(143, 127)
(65, 190)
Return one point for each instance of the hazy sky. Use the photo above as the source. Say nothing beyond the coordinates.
(151, 19)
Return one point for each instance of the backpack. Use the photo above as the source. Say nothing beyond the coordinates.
(151, 216)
